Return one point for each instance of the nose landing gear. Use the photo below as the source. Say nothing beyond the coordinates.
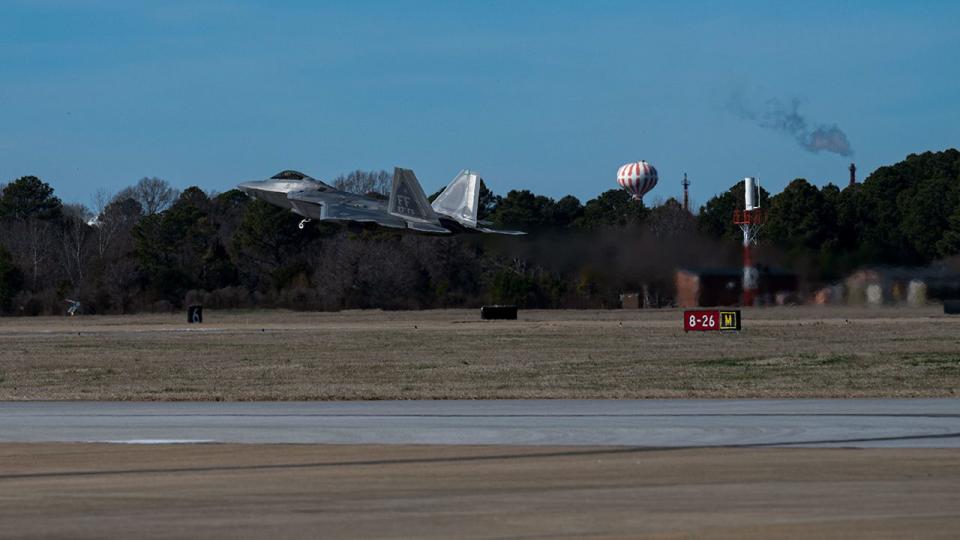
(303, 222)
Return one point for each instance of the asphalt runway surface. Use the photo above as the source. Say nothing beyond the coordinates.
(230, 491)
(743, 469)
(866, 423)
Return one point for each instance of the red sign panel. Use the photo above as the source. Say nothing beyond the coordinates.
(710, 320)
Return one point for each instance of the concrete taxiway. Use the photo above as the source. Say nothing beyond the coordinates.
(884, 423)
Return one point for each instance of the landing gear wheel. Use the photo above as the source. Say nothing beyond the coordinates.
(303, 222)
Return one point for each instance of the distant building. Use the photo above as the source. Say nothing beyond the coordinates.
(642, 300)
(724, 286)
(631, 300)
(897, 285)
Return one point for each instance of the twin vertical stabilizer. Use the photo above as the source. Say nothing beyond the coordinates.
(459, 200)
(407, 201)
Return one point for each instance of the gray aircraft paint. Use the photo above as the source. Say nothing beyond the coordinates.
(459, 200)
(407, 207)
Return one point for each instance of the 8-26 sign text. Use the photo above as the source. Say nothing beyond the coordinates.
(711, 320)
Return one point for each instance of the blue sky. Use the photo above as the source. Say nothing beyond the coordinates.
(546, 96)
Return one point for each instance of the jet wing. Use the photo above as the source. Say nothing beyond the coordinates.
(500, 231)
(338, 207)
(305, 206)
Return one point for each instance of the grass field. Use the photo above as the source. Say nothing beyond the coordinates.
(280, 355)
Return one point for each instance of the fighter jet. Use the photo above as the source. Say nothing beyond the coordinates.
(453, 211)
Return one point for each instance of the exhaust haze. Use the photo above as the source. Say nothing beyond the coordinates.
(786, 118)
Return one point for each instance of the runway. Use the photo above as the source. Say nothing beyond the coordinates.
(742, 469)
(867, 423)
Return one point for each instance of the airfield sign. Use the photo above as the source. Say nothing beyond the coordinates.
(711, 320)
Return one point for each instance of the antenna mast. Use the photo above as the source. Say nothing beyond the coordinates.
(686, 195)
(750, 220)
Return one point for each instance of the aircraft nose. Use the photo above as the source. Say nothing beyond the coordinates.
(251, 188)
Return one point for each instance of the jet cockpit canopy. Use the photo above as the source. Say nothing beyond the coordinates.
(290, 175)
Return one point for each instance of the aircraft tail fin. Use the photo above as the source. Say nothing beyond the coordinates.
(460, 199)
(408, 201)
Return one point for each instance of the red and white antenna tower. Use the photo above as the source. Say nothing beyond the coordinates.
(750, 220)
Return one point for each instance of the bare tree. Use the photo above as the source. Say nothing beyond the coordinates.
(365, 182)
(119, 282)
(100, 199)
(74, 236)
(31, 243)
(154, 194)
(365, 274)
(79, 211)
(113, 219)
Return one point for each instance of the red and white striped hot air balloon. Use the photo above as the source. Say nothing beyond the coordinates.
(637, 178)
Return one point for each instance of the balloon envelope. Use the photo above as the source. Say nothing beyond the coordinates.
(637, 178)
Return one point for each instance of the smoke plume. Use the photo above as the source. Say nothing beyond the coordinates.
(786, 118)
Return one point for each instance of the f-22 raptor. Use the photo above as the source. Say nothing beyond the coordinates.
(453, 211)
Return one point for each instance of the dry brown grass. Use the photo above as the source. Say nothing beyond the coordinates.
(279, 355)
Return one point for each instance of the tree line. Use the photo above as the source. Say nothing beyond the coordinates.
(151, 247)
